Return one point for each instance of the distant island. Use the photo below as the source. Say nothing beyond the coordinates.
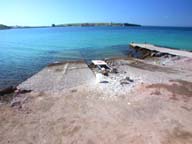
(95, 24)
(2, 27)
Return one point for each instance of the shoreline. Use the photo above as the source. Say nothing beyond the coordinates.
(161, 50)
(145, 54)
(144, 101)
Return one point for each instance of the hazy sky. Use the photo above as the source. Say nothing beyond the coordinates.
(145, 12)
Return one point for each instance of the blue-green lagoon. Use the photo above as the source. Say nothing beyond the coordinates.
(24, 52)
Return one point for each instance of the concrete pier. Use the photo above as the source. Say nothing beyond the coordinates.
(162, 49)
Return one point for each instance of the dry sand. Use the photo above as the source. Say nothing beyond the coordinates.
(156, 108)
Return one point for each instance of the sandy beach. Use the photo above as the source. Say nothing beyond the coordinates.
(146, 101)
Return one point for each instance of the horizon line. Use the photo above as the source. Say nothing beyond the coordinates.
(91, 23)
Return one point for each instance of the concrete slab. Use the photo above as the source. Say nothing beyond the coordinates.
(162, 49)
(157, 110)
(56, 77)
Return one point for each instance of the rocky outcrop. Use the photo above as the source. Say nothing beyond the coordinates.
(7, 90)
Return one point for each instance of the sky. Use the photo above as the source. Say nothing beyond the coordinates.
(144, 12)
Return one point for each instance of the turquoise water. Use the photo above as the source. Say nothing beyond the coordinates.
(24, 52)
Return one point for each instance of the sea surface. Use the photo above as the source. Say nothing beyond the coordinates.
(23, 52)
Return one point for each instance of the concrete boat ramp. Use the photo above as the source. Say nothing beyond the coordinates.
(162, 49)
(146, 102)
(59, 76)
(65, 75)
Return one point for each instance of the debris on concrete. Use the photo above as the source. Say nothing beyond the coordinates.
(126, 80)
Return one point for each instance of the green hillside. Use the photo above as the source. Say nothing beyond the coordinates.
(4, 27)
(95, 24)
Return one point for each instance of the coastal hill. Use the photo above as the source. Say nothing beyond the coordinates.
(4, 27)
(71, 24)
(95, 24)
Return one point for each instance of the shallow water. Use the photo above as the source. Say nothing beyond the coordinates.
(24, 52)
